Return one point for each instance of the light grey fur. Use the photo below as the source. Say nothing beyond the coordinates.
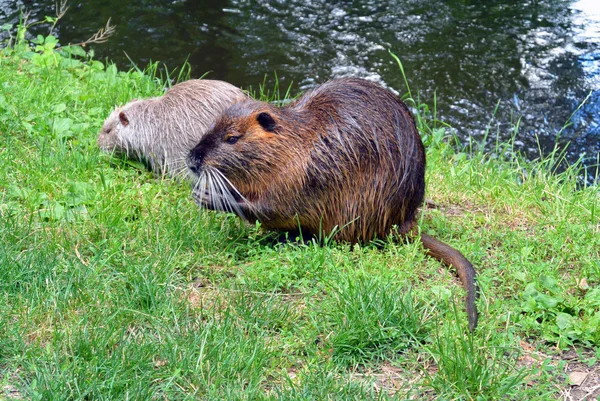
(162, 130)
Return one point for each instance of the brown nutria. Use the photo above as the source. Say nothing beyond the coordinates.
(160, 131)
(346, 156)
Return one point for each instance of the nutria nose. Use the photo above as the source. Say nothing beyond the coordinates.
(194, 162)
(193, 168)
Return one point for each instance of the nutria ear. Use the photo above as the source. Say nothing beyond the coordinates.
(266, 121)
(123, 118)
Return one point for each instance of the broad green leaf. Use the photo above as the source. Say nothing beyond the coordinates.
(564, 321)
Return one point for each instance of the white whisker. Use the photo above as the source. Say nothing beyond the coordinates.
(226, 188)
(198, 190)
(231, 185)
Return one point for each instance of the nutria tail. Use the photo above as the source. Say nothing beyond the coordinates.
(464, 269)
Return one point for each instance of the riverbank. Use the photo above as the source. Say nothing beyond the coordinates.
(488, 65)
(114, 285)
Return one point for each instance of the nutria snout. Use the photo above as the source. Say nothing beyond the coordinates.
(345, 157)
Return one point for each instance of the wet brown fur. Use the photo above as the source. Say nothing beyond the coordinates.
(346, 156)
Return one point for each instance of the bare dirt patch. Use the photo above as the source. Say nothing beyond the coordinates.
(581, 380)
(390, 379)
(201, 295)
(9, 391)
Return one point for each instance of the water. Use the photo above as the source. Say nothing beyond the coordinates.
(537, 60)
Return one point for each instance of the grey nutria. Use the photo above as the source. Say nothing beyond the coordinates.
(160, 131)
(346, 156)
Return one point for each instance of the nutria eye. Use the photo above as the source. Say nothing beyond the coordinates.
(232, 139)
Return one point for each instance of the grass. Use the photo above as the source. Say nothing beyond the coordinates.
(113, 285)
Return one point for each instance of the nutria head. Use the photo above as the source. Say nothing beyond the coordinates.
(250, 144)
(117, 133)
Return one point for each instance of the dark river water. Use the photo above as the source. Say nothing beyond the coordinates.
(536, 60)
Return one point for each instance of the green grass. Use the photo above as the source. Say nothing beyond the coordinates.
(113, 285)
